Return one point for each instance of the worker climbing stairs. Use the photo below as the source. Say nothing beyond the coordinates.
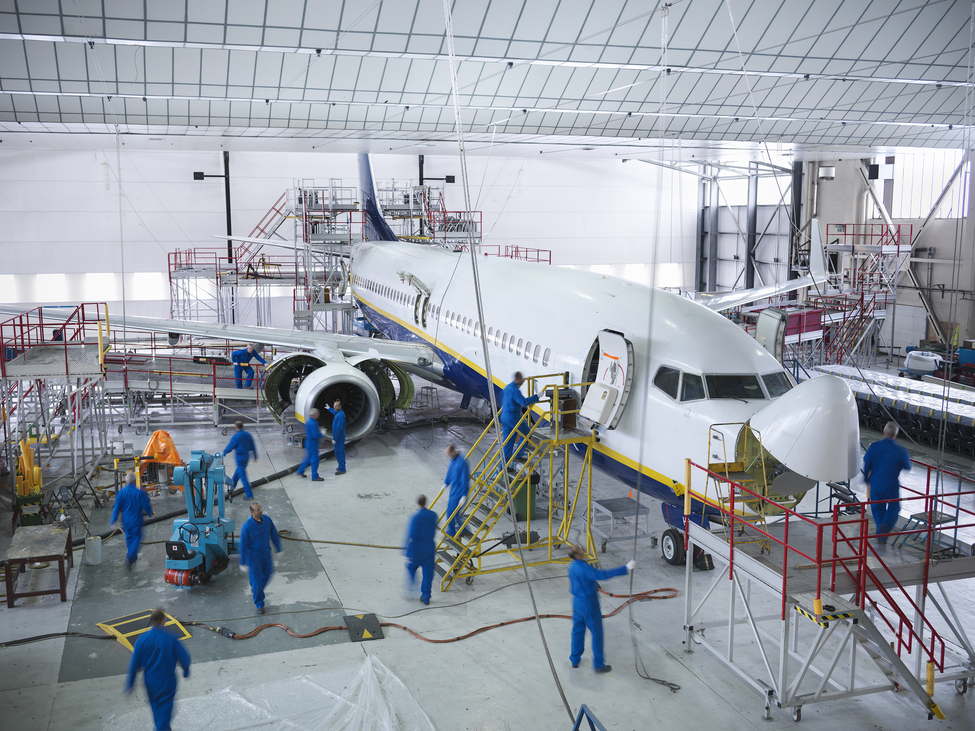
(485, 542)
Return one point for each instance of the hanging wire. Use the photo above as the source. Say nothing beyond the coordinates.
(637, 655)
(448, 23)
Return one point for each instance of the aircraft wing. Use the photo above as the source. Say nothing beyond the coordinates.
(329, 347)
(816, 277)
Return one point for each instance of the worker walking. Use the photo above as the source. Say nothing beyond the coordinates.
(586, 613)
(241, 360)
(131, 502)
(313, 440)
(338, 435)
(157, 652)
(458, 482)
(512, 403)
(242, 445)
(882, 465)
(420, 547)
(256, 536)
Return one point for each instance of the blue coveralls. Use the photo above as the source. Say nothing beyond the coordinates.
(458, 479)
(338, 437)
(255, 552)
(420, 549)
(240, 359)
(132, 503)
(242, 445)
(158, 651)
(586, 611)
(882, 465)
(313, 438)
(512, 401)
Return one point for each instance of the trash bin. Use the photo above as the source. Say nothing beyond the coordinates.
(524, 498)
(93, 550)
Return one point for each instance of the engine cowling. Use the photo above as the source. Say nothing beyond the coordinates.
(359, 397)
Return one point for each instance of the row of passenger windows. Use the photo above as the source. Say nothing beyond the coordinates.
(532, 352)
(684, 386)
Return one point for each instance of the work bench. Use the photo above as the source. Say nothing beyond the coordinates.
(34, 544)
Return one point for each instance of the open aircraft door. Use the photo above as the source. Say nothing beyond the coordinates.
(611, 371)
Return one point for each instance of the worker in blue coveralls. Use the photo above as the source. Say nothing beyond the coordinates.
(131, 502)
(512, 402)
(338, 435)
(313, 441)
(420, 547)
(882, 465)
(242, 445)
(241, 360)
(585, 606)
(157, 652)
(457, 482)
(256, 536)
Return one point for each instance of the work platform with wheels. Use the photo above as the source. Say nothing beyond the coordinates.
(828, 613)
(485, 544)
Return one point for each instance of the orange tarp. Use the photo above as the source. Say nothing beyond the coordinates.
(161, 449)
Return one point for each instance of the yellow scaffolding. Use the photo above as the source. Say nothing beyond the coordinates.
(546, 441)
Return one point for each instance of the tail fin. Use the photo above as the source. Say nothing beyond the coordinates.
(817, 252)
(376, 228)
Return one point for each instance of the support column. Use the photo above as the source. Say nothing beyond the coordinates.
(713, 236)
(751, 230)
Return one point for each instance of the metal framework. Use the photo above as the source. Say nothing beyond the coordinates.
(845, 623)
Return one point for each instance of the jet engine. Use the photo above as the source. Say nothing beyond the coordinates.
(362, 384)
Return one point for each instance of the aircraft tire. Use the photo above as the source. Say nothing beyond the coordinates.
(672, 547)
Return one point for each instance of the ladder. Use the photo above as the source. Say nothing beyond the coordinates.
(846, 620)
(544, 453)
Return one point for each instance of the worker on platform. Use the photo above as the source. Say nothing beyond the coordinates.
(241, 360)
(458, 482)
(586, 613)
(256, 536)
(512, 403)
(882, 464)
(157, 652)
(242, 445)
(313, 442)
(131, 502)
(420, 546)
(338, 435)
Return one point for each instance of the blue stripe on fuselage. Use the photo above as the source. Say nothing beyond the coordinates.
(469, 381)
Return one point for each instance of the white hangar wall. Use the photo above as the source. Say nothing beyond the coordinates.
(62, 242)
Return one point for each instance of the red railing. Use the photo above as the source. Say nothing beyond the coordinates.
(30, 330)
(160, 373)
(854, 565)
(522, 253)
(454, 226)
(854, 313)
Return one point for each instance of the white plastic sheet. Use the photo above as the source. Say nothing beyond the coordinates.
(370, 699)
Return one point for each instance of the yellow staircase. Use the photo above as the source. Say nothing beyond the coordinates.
(485, 543)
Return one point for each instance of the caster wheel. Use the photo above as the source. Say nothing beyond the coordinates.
(961, 686)
(119, 428)
(138, 430)
(291, 428)
(469, 580)
(224, 431)
(603, 547)
(797, 714)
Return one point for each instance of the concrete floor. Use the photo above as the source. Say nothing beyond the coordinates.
(494, 681)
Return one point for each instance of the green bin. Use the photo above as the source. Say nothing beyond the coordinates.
(524, 496)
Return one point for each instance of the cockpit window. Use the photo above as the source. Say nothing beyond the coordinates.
(776, 383)
(734, 387)
(667, 380)
(692, 387)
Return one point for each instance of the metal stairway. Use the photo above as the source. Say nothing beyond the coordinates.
(853, 625)
(473, 550)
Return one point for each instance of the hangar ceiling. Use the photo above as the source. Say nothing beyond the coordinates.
(816, 74)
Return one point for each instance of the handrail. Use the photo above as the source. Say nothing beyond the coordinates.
(865, 577)
(585, 713)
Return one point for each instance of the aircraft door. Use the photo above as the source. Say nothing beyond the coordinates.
(770, 330)
(611, 370)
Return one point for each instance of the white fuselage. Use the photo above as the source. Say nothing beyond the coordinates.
(560, 313)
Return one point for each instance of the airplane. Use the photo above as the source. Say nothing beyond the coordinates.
(676, 368)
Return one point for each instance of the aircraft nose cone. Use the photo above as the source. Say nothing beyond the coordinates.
(813, 429)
